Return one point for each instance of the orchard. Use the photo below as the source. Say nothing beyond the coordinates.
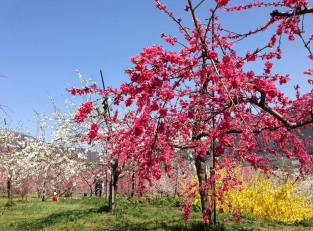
(201, 117)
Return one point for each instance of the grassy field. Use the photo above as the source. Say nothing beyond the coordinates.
(92, 214)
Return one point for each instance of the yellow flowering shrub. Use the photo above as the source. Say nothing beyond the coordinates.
(261, 196)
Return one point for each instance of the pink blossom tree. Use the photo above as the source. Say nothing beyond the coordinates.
(24, 184)
(220, 100)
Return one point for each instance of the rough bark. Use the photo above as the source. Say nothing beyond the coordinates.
(10, 190)
(113, 185)
(133, 193)
(91, 192)
(107, 185)
(202, 177)
(212, 212)
(300, 11)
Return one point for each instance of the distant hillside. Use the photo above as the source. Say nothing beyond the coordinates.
(308, 134)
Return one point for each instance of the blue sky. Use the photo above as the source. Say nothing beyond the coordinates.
(43, 41)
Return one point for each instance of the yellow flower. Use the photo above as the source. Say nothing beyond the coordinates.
(265, 197)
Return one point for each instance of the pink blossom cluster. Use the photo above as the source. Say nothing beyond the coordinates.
(160, 6)
(84, 111)
(85, 90)
(222, 3)
(249, 6)
(93, 132)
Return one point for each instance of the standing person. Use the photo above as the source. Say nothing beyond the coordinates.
(55, 198)
(98, 186)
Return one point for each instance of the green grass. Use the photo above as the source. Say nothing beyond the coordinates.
(92, 214)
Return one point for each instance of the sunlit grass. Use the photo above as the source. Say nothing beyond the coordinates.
(92, 214)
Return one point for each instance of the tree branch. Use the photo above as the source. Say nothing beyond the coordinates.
(281, 118)
(300, 11)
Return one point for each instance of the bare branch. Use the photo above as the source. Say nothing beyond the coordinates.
(198, 4)
(300, 11)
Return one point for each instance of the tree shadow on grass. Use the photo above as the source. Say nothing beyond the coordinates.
(103, 209)
(195, 226)
(52, 219)
(148, 226)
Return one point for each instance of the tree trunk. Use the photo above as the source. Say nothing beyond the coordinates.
(10, 191)
(91, 192)
(175, 189)
(107, 185)
(176, 183)
(9, 187)
(113, 185)
(133, 183)
(212, 212)
(202, 177)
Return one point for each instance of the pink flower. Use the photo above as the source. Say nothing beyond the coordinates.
(291, 37)
(188, 210)
(154, 106)
(94, 87)
(222, 3)
(212, 54)
(237, 215)
(161, 127)
(83, 112)
(138, 130)
(278, 53)
(268, 66)
(273, 41)
(309, 72)
(80, 91)
(251, 56)
(163, 112)
(191, 114)
(160, 6)
(250, 74)
(129, 101)
(227, 59)
(284, 79)
(73, 91)
(93, 133)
